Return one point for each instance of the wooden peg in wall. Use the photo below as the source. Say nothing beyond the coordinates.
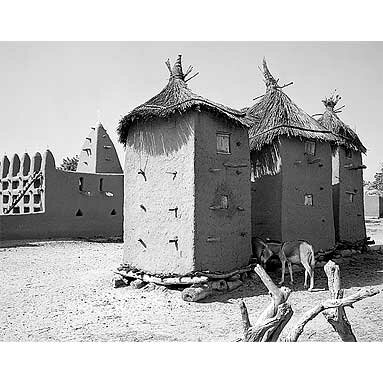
(143, 174)
(175, 211)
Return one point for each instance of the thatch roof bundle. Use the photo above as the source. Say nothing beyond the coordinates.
(177, 98)
(276, 115)
(346, 137)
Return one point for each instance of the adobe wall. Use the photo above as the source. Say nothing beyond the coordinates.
(303, 174)
(155, 239)
(373, 206)
(266, 207)
(350, 221)
(61, 201)
(222, 236)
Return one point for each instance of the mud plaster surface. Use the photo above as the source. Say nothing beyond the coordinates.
(62, 291)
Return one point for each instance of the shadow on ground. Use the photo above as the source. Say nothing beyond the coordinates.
(362, 270)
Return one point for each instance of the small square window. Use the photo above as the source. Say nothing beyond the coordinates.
(223, 143)
(351, 197)
(310, 147)
(308, 199)
(348, 153)
(224, 202)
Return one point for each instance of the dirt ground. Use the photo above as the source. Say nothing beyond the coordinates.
(62, 291)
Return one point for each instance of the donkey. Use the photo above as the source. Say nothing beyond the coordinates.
(292, 252)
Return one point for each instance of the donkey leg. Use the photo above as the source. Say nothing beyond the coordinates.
(283, 272)
(291, 273)
(311, 280)
(306, 275)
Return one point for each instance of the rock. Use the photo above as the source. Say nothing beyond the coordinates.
(337, 255)
(346, 253)
(232, 285)
(137, 284)
(220, 285)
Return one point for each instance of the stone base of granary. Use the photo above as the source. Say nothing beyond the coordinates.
(196, 286)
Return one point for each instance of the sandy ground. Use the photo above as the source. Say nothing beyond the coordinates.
(62, 291)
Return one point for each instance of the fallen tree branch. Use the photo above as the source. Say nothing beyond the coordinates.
(296, 332)
(274, 318)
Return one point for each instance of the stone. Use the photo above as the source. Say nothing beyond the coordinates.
(346, 253)
(232, 285)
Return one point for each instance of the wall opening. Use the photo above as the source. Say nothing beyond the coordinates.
(81, 184)
(101, 185)
(79, 213)
(113, 212)
(16, 210)
(223, 143)
(348, 153)
(27, 198)
(224, 202)
(15, 184)
(310, 147)
(37, 183)
(309, 200)
(36, 198)
(5, 198)
(26, 209)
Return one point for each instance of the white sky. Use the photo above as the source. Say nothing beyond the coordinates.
(50, 92)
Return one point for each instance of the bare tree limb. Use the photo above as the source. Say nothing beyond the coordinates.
(337, 317)
(296, 332)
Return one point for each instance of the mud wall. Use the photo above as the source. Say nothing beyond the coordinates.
(373, 206)
(302, 175)
(349, 197)
(222, 235)
(159, 196)
(266, 207)
(67, 211)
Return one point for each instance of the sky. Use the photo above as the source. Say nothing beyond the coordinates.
(52, 93)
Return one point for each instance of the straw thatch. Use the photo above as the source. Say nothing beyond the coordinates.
(330, 120)
(276, 115)
(177, 98)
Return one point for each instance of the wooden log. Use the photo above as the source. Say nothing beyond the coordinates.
(194, 294)
(167, 281)
(337, 317)
(274, 318)
(137, 284)
(224, 275)
(119, 281)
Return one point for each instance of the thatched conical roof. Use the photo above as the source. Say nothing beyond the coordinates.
(330, 120)
(175, 98)
(275, 115)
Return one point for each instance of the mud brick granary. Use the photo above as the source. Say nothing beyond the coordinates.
(347, 176)
(291, 158)
(187, 200)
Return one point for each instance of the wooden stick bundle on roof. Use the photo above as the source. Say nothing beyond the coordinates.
(177, 98)
(276, 115)
(345, 136)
